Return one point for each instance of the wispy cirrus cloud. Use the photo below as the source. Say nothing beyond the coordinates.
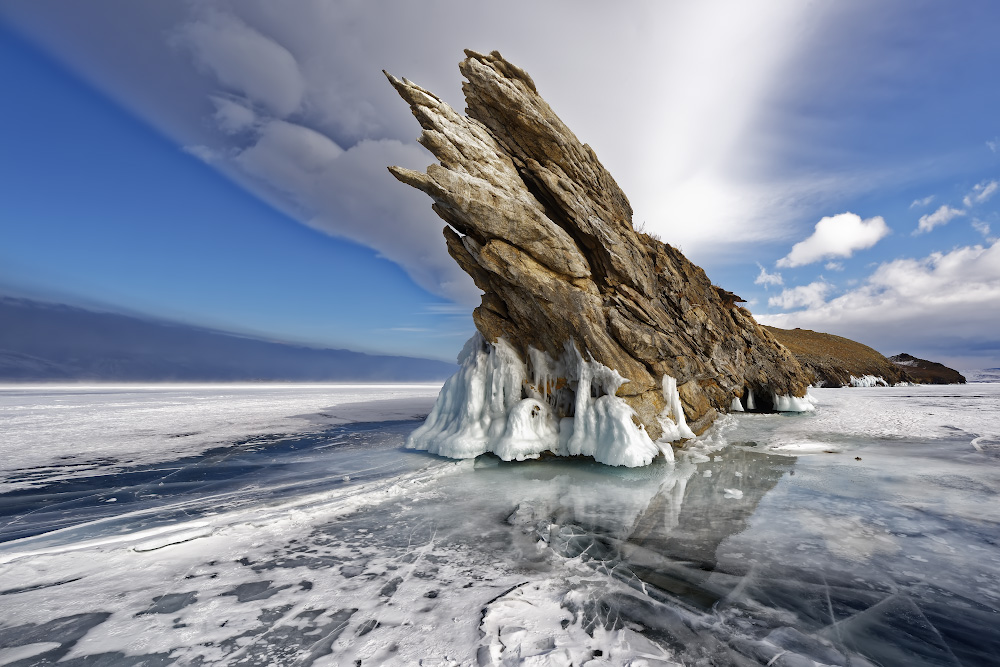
(981, 227)
(942, 216)
(981, 193)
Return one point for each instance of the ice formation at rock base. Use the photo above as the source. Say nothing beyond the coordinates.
(519, 408)
(868, 381)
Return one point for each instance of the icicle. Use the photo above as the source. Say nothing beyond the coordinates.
(672, 418)
(480, 409)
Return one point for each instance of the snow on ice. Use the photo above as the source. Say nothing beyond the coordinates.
(852, 534)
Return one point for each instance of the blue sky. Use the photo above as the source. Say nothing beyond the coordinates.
(223, 163)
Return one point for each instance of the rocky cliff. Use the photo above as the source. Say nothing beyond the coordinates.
(545, 231)
(922, 371)
(835, 361)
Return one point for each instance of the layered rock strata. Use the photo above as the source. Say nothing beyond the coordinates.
(544, 230)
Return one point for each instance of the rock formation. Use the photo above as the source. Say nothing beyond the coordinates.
(922, 371)
(544, 230)
(835, 361)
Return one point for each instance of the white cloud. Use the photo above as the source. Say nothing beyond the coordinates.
(231, 116)
(712, 120)
(245, 61)
(981, 227)
(837, 236)
(203, 153)
(993, 145)
(981, 192)
(338, 192)
(942, 216)
(942, 301)
(702, 79)
(812, 295)
(922, 202)
(834, 266)
(289, 157)
(764, 278)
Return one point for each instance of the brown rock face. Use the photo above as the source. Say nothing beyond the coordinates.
(831, 360)
(922, 371)
(543, 229)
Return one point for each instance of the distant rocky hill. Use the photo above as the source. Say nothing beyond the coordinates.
(49, 342)
(833, 360)
(927, 372)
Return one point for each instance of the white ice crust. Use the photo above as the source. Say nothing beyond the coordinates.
(786, 403)
(672, 418)
(482, 409)
(868, 381)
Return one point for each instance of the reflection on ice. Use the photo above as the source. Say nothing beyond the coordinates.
(876, 546)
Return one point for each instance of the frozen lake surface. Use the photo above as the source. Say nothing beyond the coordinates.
(281, 525)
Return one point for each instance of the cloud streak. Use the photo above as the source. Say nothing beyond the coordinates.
(981, 193)
(942, 216)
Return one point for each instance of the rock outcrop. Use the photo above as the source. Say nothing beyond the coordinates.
(545, 231)
(922, 371)
(835, 361)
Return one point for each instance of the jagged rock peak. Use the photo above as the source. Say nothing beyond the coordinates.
(546, 232)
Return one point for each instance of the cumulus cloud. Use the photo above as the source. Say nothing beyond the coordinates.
(812, 295)
(764, 278)
(837, 236)
(981, 227)
(981, 192)
(834, 266)
(942, 300)
(942, 216)
(920, 203)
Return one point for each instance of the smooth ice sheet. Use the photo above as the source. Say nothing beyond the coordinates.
(877, 546)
